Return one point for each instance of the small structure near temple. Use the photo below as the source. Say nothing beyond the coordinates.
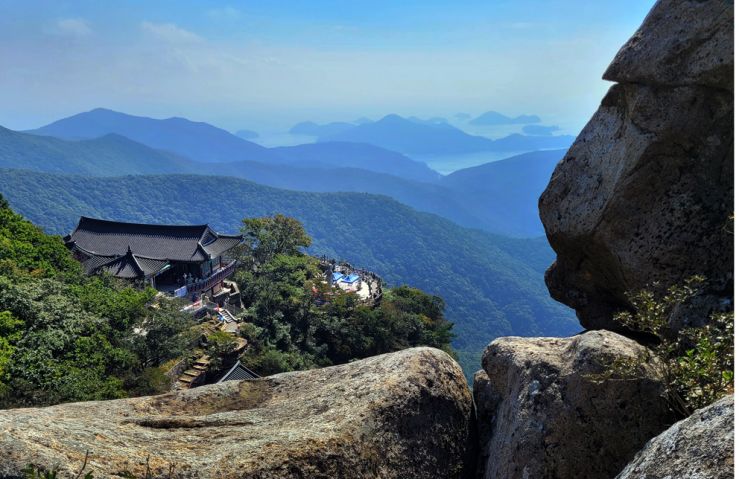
(366, 284)
(182, 260)
(238, 372)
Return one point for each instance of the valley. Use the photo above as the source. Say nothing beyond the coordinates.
(472, 237)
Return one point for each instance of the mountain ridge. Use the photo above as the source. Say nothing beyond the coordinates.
(493, 285)
(197, 141)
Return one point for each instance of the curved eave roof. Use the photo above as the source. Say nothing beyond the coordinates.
(186, 243)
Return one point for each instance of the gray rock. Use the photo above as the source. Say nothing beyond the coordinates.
(560, 414)
(401, 415)
(645, 193)
(681, 42)
(699, 447)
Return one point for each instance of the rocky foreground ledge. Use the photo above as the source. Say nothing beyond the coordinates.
(701, 446)
(401, 415)
(548, 408)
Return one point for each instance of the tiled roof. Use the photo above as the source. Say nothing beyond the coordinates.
(191, 243)
(239, 372)
(126, 266)
(222, 244)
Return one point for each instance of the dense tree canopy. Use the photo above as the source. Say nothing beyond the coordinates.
(67, 337)
(493, 286)
(295, 320)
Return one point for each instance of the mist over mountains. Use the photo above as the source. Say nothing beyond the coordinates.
(438, 138)
(195, 140)
(495, 118)
(426, 230)
(500, 197)
(207, 143)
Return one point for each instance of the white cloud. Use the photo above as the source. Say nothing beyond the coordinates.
(170, 32)
(73, 27)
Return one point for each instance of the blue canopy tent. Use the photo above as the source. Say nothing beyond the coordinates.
(352, 278)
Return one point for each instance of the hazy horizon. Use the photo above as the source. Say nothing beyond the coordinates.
(267, 66)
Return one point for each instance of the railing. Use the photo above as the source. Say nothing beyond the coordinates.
(214, 279)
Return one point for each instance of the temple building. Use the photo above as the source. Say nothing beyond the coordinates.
(180, 260)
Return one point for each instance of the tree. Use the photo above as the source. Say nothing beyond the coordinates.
(696, 363)
(220, 345)
(271, 236)
(164, 333)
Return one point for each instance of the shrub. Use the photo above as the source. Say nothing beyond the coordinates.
(696, 363)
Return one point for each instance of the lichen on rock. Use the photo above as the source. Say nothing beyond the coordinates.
(400, 415)
(560, 415)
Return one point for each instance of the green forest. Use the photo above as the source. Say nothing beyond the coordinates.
(68, 337)
(491, 285)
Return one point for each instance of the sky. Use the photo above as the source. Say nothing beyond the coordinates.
(267, 65)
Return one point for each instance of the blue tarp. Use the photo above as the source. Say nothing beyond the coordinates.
(337, 277)
(350, 278)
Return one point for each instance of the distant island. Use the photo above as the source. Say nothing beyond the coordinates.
(434, 137)
(495, 118)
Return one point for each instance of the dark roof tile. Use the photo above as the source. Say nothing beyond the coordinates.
(239, 372)
(164, 242)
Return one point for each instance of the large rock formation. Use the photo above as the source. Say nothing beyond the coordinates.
(559, 414)
(402, 415)
(645, 193)
(701, 446)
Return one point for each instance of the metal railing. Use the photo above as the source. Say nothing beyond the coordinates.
(212, 280)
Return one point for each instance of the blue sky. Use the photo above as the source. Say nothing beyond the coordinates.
(266, 65)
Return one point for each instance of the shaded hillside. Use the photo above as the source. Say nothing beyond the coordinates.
(427, 197)
(500, 198)
(246, 134)
(356, 155)
(493, 286)
(107, 155)
(305, 168)
(506, 191)
(197, 141)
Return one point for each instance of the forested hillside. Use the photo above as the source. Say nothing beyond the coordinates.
(108, 155)
(68, 337)
(492, 285)
(500, 197)
(506, 192)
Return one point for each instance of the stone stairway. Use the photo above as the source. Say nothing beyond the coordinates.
(194, 375)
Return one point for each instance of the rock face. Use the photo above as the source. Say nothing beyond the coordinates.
(645, 193)
(401, 415)
(558, 416)
(699, 447)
